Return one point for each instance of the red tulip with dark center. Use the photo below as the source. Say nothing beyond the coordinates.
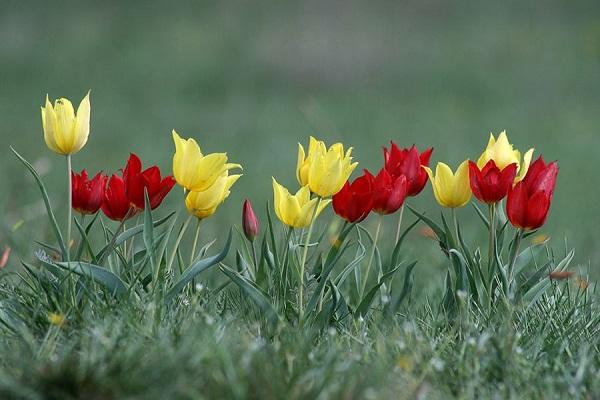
(389, 192)
(408, 162)
(529, 201)
(491, 184)
(355, 201)
(116, 205)
(137, 180)
(87, 194)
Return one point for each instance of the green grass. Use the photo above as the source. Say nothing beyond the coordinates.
(253, 79)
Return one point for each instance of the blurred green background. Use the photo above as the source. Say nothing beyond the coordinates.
(255, 78)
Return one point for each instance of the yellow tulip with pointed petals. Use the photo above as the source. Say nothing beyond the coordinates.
(203, 204)
(296, 210)
(450, 189)
(195, 171)
(65, 131)
(324, 170)
(503, 154)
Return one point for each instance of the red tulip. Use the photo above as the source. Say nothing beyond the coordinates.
(116, 205)
(137, 180)
(124, 195)
(87, 194)
(491, 184)
(408, 162)
(355, 201)
(528, 202)
(389, 192)
(250, 223)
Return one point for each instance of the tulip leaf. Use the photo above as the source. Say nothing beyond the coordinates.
(190, 273)
(100, 275)
(526, 256)
(483, 217)
(254, 293)
(148, 236)
(393, 306)
(129, 233)
(539, 288)
(335, 253)
(49, 211)
(439, 232)
(85, 243)
(367, 300)
(396, 253)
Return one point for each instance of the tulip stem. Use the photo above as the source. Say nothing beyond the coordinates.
(513, 257)
(371, 256)
(399, 225)
(193, 256)
(455, 220)
(177, 242)
(491, 253)
(70, 207)
(303, 261)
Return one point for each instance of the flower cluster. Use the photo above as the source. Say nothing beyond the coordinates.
(205, 178)
(401, 176)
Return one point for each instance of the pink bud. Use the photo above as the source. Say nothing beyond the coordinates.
(4, 257)
(249, 221)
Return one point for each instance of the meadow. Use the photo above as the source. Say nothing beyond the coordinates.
(254, 80)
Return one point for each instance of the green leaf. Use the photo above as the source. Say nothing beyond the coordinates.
(393, 306)
(366, 302)
(190, 273)
(483, 217)
(396, 253)
(148, 235)
(100, 275)
(129, 233)
(40, 184)
(254, 293)
(439, 232)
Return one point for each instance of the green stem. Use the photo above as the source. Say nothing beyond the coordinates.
(371, 256)
(193, 256)
(177, 242)
(399, 224)
(491, 253)
(70, 207)
(513, 257)
(455, 220)
(303, 261)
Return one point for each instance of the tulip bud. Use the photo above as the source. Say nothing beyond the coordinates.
(249, 221)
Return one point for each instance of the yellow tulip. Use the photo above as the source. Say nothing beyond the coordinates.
(193, 170)
(204, 203)
(295, 210)
(503, 154)
(451, 189)
(64, 131)
(324, 170)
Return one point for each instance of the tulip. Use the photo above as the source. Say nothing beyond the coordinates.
(388, 192)
(503, 154)
(116, 205)
(450, 189)
(194, 170)
(66, 132)
(137, 180)
(88, 194)
(296, 210)
(324, 170)
(528, 201)
(355, 201)
(408, 162)
(203, 204)
(491, 184)
(249, 221)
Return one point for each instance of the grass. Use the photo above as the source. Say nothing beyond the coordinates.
(252, 80)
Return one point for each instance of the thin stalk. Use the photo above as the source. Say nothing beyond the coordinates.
(513, 257)
(399, 224)
(455, 220)
(177, 242)
(254, 258)
(371, 256)
(70, 206)
(303, 261)
(197, 234)
(491, 253)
